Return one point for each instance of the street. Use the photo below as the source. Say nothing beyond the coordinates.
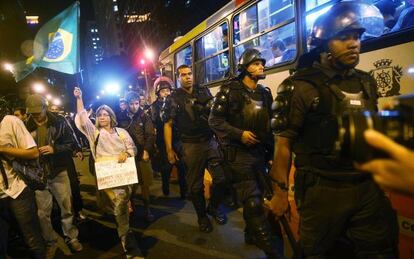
(174, 233)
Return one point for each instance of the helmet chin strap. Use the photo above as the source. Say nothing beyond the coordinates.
(255, 78)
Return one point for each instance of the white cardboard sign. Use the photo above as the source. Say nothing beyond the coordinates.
(110, 173)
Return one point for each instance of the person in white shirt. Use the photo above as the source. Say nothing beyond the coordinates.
(110, 142)
(15, 196)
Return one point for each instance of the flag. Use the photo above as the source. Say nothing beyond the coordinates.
(56, 46)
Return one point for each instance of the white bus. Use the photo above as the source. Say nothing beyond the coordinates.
(213, 47)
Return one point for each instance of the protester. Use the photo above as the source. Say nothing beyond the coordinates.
(15, 196)
(110, 142)
(139, 125)
(55, 144)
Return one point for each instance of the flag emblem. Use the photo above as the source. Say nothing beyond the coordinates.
(60, 45)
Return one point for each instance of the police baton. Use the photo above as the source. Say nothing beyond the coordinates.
(297, 251)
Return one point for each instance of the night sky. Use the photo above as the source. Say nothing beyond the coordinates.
(171, 18)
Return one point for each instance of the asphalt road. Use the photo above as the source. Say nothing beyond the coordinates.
(174, 233)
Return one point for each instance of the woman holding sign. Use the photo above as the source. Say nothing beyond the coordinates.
(110, 146)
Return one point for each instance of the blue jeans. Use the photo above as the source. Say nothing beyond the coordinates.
(59, 187)
(23, 208)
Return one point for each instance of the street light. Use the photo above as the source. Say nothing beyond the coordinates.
(57, 102)
(49, 97)
(39, 88)
(149, 54)
(112, 87)
(8, 67)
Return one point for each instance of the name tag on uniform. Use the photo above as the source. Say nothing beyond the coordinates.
(355, 102)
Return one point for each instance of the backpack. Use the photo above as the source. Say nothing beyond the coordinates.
(29, 171)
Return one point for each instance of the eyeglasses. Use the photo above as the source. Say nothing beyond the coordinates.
(102, 115)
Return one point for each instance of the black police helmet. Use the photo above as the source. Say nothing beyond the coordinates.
(162, 85)
(248, 57)
(347, 17)
(162, 82)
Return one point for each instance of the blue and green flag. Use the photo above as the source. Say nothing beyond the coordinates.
(56, 46)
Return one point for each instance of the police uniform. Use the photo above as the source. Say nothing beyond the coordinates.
(189, 112)
(238, 108)
(333, 198)
(157, 112)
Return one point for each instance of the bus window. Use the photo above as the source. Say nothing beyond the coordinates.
(245, 24)
(277, 45)
(272, 13)
(282, 45)
(310, 4)
(183, 57)
(398, 15)
(212, 55)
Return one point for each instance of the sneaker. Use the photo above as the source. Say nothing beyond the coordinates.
(75, 245)
(130, 246)
(204, 225)
(51, 251)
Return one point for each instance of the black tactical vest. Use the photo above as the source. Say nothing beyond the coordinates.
(315, 146)
(246, 113)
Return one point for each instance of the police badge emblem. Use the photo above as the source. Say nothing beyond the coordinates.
(387, 77)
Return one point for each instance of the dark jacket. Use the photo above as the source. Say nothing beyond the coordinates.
(141, 129)
(60, 138)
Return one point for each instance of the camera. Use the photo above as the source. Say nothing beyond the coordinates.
(396, 123)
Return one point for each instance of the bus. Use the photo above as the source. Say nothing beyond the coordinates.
(213, 47)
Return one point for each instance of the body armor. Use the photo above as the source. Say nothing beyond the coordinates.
(234, 102)
(315, 145)
(198, 107)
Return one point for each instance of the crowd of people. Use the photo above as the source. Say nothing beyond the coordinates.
(243, 137)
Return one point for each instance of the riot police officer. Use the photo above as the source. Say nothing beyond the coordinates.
(240, 117)
(163, 87)
(334, 199)
(187, 109)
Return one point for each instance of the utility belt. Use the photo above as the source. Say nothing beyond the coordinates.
(306, 177)
(195, 139)
(322, 163)
(230, 153)
(336, 179)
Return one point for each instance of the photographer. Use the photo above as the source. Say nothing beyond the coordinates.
(397, 171)
(334, 199)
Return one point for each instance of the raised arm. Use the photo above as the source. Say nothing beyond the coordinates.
(77, 92)
(82, 121)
